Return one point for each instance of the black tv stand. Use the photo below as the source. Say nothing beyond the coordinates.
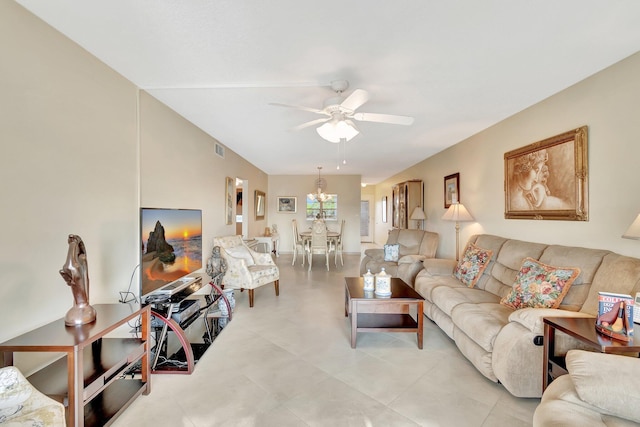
(164, 309)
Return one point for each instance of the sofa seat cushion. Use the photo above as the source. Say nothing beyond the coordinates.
(447, 298)
(390, 267)
(426, 284)
(481, 321)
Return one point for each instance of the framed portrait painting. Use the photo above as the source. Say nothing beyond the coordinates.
(451, 189)
(287, 204)
(548, 179)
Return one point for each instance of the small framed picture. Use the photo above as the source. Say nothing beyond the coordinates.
(451, 189)
(287, 204)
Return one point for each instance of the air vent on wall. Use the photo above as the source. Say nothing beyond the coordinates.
(219, 150)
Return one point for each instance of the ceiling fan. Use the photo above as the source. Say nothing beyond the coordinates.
(340, 113)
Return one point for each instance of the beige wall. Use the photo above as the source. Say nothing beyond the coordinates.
(608, 103)
(82, 150)
(347, 187)
(179, 169)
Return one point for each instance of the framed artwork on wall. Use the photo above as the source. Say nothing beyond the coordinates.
(287, 204)
(451, 189)
(229, 199)
(384, 208)
(260, 205)
(548, 179)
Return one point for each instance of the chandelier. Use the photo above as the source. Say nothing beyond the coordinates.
(319, 195)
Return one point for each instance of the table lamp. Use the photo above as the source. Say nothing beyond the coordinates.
(458, 213)
(418, 216)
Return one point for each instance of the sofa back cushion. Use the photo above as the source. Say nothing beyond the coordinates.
(617, 273)
(507, 264)
(414, 242)
(587, 260)
(429, 244)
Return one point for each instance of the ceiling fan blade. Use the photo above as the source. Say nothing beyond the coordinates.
(355, 100)
(384, 118)
(311, 123)
(298, 107)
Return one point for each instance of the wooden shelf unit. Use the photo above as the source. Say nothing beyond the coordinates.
(93, 386)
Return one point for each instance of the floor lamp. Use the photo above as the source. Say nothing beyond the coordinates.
(458, 213)
(633, 232)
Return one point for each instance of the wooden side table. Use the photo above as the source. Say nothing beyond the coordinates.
(584, 330)
(89, 380)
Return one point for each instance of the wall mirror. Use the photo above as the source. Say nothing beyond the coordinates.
(260, 202)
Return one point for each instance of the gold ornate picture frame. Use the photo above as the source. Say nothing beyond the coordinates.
(260, 201)
(229, 200)
(549, 179)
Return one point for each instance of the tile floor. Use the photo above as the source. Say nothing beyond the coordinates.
(288, 362)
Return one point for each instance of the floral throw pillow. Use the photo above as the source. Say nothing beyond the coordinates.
(539, 285)
(392, 252)
(473, 263)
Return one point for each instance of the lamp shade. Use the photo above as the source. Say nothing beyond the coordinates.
(633, 232)
(457, 212)
(418, 214)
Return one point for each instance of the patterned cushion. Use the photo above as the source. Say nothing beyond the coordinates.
(473, 263)
(392, 252)
(539, 285)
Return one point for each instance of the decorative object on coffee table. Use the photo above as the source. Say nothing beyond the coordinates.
(76, 273)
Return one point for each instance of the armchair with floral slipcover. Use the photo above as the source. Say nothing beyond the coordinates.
(21, 404)
(246, 268)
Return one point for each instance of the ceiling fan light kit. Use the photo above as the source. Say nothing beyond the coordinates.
(337, 130)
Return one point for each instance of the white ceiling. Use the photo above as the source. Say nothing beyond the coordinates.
(457, 66)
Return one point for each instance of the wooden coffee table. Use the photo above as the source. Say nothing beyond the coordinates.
(372, 313)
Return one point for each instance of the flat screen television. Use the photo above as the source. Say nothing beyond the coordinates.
(171, 244)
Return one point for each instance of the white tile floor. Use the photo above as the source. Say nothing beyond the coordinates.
(288, 362)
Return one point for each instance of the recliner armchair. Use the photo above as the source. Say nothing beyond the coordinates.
(414, 246)
(246, 268)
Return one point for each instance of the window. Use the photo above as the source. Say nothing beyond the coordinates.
(327, 210)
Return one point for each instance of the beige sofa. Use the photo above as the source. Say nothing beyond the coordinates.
(600, 390)
(505, 344)
(414, 246)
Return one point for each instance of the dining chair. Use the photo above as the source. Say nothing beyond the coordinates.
(319, 243)
(338, 245)
(298, 242)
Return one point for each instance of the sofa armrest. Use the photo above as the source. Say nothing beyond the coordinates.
(375, 253)
(411, 259)
(608, 382)
(531, 318)
(439, 266)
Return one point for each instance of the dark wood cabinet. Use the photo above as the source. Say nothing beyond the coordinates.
(406, 197)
